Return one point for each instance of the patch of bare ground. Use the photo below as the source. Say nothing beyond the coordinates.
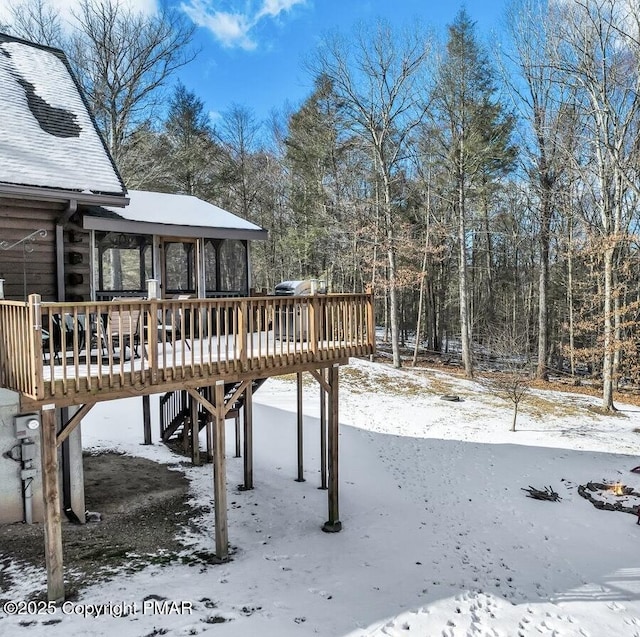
(143, 506)
(534, 403)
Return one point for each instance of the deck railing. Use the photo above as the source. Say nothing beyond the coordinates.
(49, 351)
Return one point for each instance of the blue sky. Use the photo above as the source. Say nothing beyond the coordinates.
(253, 50)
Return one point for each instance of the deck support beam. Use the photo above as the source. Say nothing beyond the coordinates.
(236, 420)
(333, 524)
(195, 433)
(220, 476)
(248, 438)
(300, 428)
(323, 431)
(146, 418)
(51, 498)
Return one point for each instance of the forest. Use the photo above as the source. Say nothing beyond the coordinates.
(486, 189)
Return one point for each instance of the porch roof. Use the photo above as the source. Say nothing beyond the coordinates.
(171, 215)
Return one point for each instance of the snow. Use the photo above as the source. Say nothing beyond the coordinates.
(33, 156)
(159, 207)
(438, 538)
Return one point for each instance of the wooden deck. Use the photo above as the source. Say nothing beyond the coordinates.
(73, 353)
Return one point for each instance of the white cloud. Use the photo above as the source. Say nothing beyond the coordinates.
(234, 28)
(231, 29)
(274, 8)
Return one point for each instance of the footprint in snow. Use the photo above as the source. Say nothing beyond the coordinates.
(616, 606)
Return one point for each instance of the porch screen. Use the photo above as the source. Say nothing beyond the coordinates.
(233, 266)
(225, 267)
(180, 267)
(124, 262)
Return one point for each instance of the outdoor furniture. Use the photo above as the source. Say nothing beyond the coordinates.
(60, 334)
(170, 323)
(120, 328)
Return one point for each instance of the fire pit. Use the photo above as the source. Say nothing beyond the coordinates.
(611, 497)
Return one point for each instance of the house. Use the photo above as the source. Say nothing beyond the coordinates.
(108, 293)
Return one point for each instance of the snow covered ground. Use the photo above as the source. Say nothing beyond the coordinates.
(438, 539)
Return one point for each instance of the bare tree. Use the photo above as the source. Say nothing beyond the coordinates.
(598, 49)
(512, 381)
(541, 100)
(122, 59)
(378, 77)
(37, 21)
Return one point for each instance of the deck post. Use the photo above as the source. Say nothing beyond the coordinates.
(248, 438)
(236, 420)
(210, 437)
(195, 433)
(300, 477)
(220, 477)
(323, 434)
(146, 418)
(187, 402)
(51, 499)
(35, 346)
(333, 524)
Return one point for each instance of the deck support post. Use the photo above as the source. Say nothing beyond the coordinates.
(51, 498)
(248, 438)
(195, 433)
(220, 477)
(146, 417)
(210, 419)
(323, 434)
(187, 401)
(300, 477)
(333, 524)
(238, 439)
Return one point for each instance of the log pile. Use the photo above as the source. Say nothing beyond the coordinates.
(542, 494)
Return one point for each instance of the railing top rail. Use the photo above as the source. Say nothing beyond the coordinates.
(192, 301)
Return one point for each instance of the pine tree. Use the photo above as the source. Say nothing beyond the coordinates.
(474, 135)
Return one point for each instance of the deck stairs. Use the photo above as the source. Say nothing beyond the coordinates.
(175, 411)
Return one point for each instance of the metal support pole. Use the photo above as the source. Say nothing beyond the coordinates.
(146, 418)
(323, 434)
(300, 477)
(333, 524)
(238, 441)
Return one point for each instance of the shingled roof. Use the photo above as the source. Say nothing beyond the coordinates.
(48, 138)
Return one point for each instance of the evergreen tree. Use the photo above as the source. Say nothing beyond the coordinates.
(311, 156)
(187, 145)
(474, 132)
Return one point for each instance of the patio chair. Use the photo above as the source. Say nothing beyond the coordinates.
(171, 323)
(121, 328)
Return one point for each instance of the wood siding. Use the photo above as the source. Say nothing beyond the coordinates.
(35, 268)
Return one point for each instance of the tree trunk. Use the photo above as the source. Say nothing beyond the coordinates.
(608, 358)
(543, 285)
(465, 336)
